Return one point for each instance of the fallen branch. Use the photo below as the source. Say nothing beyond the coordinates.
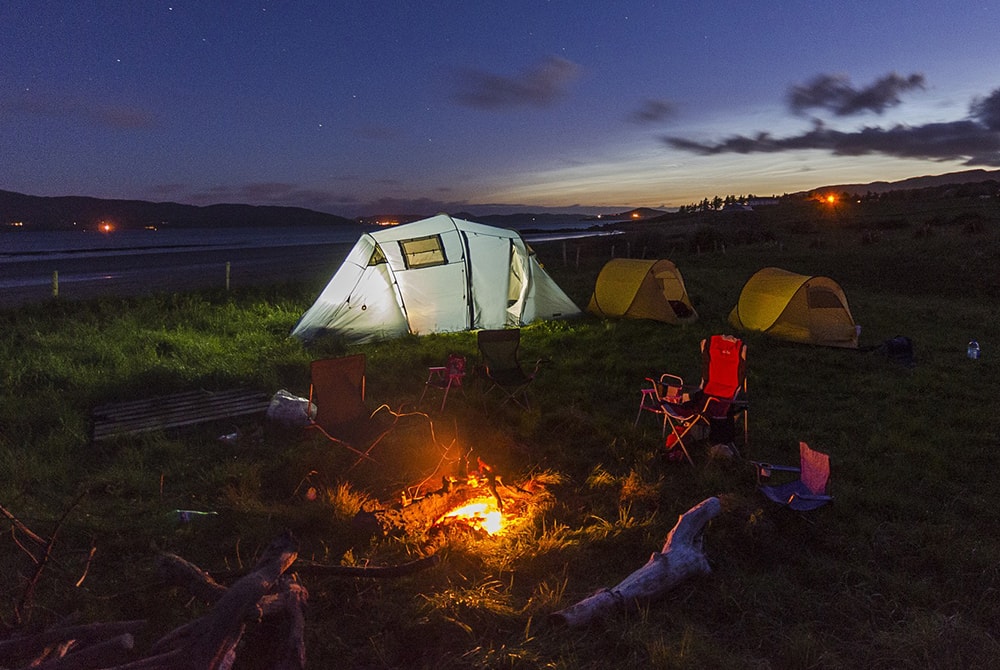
(176, 571)
(681, 557)
(371, 572)
(98, 655)
(32, 644)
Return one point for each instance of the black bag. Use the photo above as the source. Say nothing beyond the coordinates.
(900, 350)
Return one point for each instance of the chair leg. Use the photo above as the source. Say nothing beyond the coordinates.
(679, 435)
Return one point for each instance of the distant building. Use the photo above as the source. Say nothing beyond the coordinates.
(762, 202)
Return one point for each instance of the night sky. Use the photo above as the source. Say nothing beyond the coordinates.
(375, 107)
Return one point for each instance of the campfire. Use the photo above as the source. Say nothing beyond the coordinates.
(480, 515)
(480, 503)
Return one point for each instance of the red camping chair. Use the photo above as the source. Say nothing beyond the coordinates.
(337, 388)
(807, 492)
(715, 403)
(445, 377)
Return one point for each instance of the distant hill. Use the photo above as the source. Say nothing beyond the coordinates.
(913, 183)
(50, 213)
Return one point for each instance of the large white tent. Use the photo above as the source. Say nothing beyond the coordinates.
(436, 275)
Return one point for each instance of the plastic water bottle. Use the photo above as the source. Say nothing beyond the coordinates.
(973, 351)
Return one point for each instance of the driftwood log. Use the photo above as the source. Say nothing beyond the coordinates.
(266, 597)
(209, 643)
(681, 557)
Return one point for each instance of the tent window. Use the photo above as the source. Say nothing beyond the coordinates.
(423, 252)
(377, 256)
(822, 298)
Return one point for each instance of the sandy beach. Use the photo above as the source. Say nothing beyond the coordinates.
(171, 271)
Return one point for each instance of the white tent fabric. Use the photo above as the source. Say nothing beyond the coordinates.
(436, 275)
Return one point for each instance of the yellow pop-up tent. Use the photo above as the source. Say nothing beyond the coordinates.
(796, 307)
(641, 289)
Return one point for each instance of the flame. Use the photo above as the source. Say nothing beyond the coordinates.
(481, 515)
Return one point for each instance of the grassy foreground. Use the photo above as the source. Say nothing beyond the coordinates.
(900, 572)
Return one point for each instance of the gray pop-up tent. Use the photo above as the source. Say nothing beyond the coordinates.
(436, 275)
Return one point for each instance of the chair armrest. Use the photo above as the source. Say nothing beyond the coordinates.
(765, 469)
(671, 388)
(812, 496)
(668, 379)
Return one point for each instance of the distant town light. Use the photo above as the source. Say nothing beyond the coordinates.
(831, 199)
(105, 227)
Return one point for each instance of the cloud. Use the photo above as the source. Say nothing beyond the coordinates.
(540, 86)
(653, 111)
(987, 110)
(112, 116)
(835, 93)
(975, 140)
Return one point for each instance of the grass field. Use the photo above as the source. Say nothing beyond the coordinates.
(901, 571)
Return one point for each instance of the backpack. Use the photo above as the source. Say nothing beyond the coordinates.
(900, 350)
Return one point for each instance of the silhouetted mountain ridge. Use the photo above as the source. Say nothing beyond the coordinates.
(913, 183)
(64, 212)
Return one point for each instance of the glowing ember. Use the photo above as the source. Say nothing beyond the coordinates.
(479, 515)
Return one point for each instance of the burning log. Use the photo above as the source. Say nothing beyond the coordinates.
(480, 503)
(681, 557)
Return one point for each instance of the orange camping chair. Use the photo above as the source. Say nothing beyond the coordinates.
(337, 389)
(715, 403)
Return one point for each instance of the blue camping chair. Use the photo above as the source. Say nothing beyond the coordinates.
(806, 493)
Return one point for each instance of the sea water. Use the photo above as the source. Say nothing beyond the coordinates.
(16, 244)
(36, 260)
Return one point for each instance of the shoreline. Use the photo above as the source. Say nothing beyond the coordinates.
(31, 281)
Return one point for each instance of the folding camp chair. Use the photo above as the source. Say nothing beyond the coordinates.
(445, 377)
(502, 367)
(337, 388)
(715, 403)
(805, 493)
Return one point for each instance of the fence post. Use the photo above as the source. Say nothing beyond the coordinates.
(227, 275)
(55, 283)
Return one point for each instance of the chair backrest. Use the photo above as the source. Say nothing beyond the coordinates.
(455, 369)
(815, 469)
(338, 390)
(499, 348)
(724, 360)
